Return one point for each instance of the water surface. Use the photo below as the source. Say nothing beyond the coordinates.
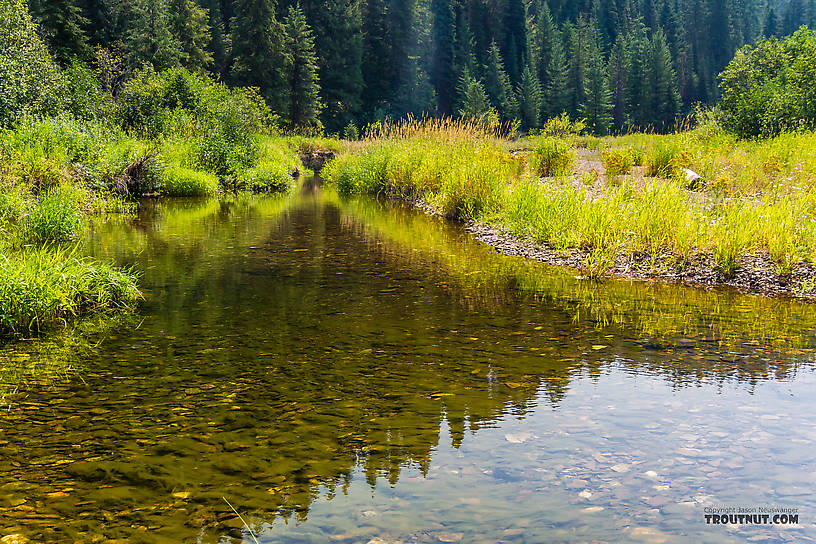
(351, 371)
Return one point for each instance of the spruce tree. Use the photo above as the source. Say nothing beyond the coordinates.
(475, 103)
(303, 87)
(597, 105)
(442, 68)
(514, 34)
(617, 71)
(190, 25)
(62, 25)
(578, 44)
(339, 44)
(664, 98)
(497, 84)
(148, 39)
(556, 98)
(258, 57)
(529, 98)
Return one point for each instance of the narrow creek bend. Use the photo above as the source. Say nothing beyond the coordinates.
(352, 371)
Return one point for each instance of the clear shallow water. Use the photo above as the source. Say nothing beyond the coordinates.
(347, 371)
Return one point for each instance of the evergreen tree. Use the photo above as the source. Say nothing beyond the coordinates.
(662, 95)
(442, 68)
(529, 98)
(497, 84)
(62, 25)
(514, 34)
(303, 88)
(617, 72)
(190, 25)
(415, 94)
(339, 44)
(578, 41)
(556, 98)
(258, 57)
(148, 39)
(597, 105)
(544, 35)
(771, 27)
(475, 104)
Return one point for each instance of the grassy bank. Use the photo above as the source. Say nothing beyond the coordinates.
(167, 134)
(613, 201)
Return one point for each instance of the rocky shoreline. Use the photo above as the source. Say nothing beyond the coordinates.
(757, 274)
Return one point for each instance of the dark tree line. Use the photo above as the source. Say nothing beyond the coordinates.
(617, 63)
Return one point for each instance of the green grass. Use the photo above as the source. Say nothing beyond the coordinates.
(181, 181)
(467, 175)
(41, 287)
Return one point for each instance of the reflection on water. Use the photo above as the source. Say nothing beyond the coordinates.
(348, 371)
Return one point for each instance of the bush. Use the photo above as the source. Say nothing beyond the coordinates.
(768, 88)
(666, 159)
(180, 181)
(562, 127)
(553, 157)
(617, 161)
(30, 82)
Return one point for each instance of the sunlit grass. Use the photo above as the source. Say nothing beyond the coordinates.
(466, 173)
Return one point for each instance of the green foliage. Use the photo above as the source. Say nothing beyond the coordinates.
(529, 98)
(768, 88)
(562, 127)
(41, 288)
(666, 159)
(85, 97)
(351, 132)
(190, 25)
(302, 102)
(553, 157)
(57, 217)
(30, 82)
(180, 181)
(475, 103)
(618, 161)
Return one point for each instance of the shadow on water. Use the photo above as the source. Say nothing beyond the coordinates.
(294, 348)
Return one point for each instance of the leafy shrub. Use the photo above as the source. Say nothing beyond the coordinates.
(768, 88)
(562, 127)
(85, 98)
(617, 161)
(180, 181)
(30, 82)
(553, 157)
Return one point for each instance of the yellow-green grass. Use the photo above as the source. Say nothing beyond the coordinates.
(467, 174)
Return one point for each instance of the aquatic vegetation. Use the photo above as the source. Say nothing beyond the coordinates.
(41, 287)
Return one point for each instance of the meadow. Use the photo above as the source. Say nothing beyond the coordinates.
(613, 200)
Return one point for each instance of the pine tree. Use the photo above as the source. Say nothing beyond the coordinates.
(578, 44)
(339, 44)
(258, 57)
(379, 65)
(617, 71)
(62, 25)
(556, 98)
(148, 39)
(497, 84)
(637, 88)
(528, 95)
(664, 98)
(597, 105)
(303, 88)
(771, 27)
(442, 68)
(543, 37)
(415, 94)
(190, 25)
(475, 104)
(514, 34)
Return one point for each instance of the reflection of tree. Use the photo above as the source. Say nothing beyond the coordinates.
(276, 357)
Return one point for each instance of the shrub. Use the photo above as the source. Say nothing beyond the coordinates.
(768, 88)
(30, 82)
(553, 157)
(562, 127)
(180, 181)
(351, 132)
(617, 161)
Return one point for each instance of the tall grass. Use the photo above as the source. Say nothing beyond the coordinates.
(464, 173)
(40, 287)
